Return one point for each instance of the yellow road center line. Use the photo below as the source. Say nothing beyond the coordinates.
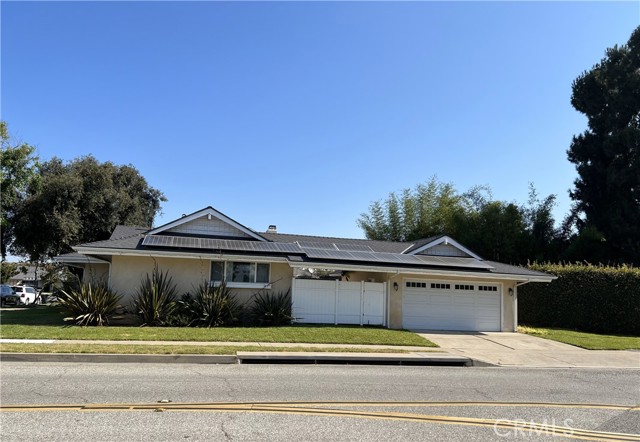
(343, 403)
(296, 408)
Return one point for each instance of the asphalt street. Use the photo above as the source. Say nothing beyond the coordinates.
(121, 402)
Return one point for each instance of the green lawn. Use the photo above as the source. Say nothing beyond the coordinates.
(590, 341)
(169, 349)
(45, 322)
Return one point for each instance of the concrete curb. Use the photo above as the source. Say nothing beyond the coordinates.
(353, 358)
(423, 359)
(118, 358)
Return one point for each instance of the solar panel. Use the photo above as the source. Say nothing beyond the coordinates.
(369, 256)
(354, 247)
(185, 242)
(317, 245)
(334, 246)
(396, 258)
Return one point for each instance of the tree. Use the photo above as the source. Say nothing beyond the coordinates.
(495, 230)
(545, 240)
(81, 201)
(7, 270)
(19, 168)
(606, 155)
(429, 209)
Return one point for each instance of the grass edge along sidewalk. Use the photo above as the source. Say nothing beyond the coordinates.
(45, 322)
(589, 341)
(176, 349)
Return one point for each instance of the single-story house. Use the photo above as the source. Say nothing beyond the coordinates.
(433, 283)
(26, 275)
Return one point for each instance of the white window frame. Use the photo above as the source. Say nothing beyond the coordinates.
(242, 285)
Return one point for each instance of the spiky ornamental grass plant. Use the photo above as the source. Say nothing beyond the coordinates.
(156, 298)
(213, 306)
(89, 304)
(272, 309)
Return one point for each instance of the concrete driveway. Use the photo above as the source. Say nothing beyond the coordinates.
(517, 349)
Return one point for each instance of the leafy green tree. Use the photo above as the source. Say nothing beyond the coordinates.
(606, 155)
(545, 239)
(81, 201)
(429, 209)
(18, 169)
(7, 270)
(496, 230)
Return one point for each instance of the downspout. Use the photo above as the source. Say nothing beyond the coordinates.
(515, 304)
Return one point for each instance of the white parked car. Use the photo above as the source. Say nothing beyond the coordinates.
(27, 294)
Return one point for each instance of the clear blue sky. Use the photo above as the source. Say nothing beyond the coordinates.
(301, 114)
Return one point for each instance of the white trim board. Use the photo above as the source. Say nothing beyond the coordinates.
(210, 212)
(446, 240)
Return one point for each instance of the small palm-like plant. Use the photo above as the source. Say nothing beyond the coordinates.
(155, 301)
(213, 306)
(89, 304)
(272, 309)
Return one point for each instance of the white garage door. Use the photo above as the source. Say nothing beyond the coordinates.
(437, 305)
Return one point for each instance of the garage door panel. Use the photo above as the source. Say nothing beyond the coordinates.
(450, 309)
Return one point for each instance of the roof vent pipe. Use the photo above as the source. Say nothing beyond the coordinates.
(272, 229)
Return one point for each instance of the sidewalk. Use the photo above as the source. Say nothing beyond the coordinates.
(415, 355)
(521, 350)
(456, 348)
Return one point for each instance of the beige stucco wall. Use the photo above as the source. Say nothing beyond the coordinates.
(128, 271)
(366, 276)
(96, 273)
(395, 297)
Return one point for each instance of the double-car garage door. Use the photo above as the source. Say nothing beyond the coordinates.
(464, 306)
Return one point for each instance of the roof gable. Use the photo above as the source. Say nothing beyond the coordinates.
(444, 246)
(208, 222)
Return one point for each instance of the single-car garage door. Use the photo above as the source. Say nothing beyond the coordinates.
(437, 305)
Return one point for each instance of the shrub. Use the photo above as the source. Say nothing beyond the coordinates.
(89, 304)
(589, 298)
(272, 308)
(183, 314)
(213, 306)
(156, 299)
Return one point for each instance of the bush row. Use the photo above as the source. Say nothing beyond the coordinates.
(589, 298)
(157, 304)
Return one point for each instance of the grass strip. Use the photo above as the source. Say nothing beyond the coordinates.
(171, 349)
(590, 341)
(46, 322)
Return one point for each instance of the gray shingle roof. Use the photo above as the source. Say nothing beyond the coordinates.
(507, 269)
(126, 231)
(123, 237)
(130, 238)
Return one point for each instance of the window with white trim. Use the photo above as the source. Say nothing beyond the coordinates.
(438, 285)
(240, 272)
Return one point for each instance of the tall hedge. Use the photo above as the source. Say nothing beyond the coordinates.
(584, 297)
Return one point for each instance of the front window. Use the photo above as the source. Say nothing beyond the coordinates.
(240, 273)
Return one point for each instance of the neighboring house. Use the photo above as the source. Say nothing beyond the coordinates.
(433, 283)
(28, 278)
